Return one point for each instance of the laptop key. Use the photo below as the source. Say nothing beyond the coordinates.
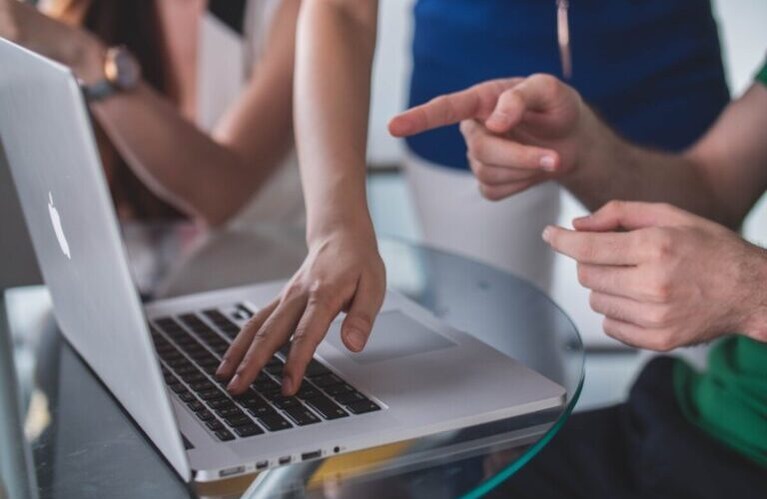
(215, 425)
(199, 386)
(326, 380)
(315, 368)
(301, 415)
(248, 431)
(224, 435)
(307, 391)
(349, 398)
(363, 406)
(195, 405)
(275, 422)
(327, 408)
(205, 415)
(236, 421)
(261, 411)
(177, 388)
(221, 404)
(186, 397)
(229, 412)
(340, 389)
(214, 394)
(285, 402)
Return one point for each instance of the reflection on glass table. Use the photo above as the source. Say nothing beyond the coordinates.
(84, 445)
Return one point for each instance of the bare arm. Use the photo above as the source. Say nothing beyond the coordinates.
(208, 177)
(211, 177)
(343, 270)
(336, 41)
(720, 177)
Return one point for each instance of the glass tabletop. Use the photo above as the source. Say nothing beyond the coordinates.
(80, 443)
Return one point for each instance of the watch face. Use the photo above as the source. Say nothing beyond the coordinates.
(121, 68)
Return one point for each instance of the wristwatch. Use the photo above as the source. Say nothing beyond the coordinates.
(122, 73)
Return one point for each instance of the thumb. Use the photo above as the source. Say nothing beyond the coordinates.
(539, 92)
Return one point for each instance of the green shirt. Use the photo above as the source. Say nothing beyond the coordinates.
(729, 401)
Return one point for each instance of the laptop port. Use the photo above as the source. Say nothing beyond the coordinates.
(262, 465)
(231, 471)
(311, 455)
(285, 460)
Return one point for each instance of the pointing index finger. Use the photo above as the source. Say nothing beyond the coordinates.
(475, 102)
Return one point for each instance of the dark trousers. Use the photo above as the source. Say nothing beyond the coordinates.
(643, 448)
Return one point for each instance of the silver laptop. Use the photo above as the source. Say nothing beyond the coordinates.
(416, 377)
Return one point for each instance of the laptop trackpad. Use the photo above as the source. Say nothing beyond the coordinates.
(394, 335)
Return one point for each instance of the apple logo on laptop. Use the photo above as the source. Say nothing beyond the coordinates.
(56, 222)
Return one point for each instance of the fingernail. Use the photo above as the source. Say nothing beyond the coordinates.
(548, 163)
(581, 219)
(233, 384)
(221, 368)
(287, 385)
(546, 235)
(356, 339)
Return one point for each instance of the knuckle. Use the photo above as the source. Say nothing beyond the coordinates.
(292, 290)
(662, 342)
(658, 317)
(548, 84)
(485, 174)
(613, 207)
(303, 339)
(491, 193)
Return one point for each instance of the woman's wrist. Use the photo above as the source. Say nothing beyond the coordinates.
(85, 56)
(358, 224)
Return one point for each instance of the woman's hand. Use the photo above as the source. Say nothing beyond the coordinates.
(82, 52)
(342, 272)
(519, 131)
(664, 278)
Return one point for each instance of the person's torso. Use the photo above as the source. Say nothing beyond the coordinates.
(651, 68)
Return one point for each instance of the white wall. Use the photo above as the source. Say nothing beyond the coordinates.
(744, 37)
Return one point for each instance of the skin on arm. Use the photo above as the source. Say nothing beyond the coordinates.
(208, 177)
(211, 177)
(343, 271)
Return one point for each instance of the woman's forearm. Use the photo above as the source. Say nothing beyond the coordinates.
(211, 176)
(334, 53)
(179, 162)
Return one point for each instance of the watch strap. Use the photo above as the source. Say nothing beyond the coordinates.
(98, 91)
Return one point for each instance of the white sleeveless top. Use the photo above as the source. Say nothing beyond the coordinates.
(240, 34)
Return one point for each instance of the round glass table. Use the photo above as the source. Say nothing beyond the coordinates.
(78, 442)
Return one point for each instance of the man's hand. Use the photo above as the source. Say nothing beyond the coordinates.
(664, 278)
(519, 131)
(343, 272)
(23, 24)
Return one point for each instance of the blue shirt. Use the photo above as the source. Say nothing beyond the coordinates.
(651, 68)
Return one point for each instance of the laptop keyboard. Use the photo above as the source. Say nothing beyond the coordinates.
(190, 347)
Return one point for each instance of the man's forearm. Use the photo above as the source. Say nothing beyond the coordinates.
(608, 167)
(335, 46)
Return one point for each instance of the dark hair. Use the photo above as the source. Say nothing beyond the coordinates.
(135, 24)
